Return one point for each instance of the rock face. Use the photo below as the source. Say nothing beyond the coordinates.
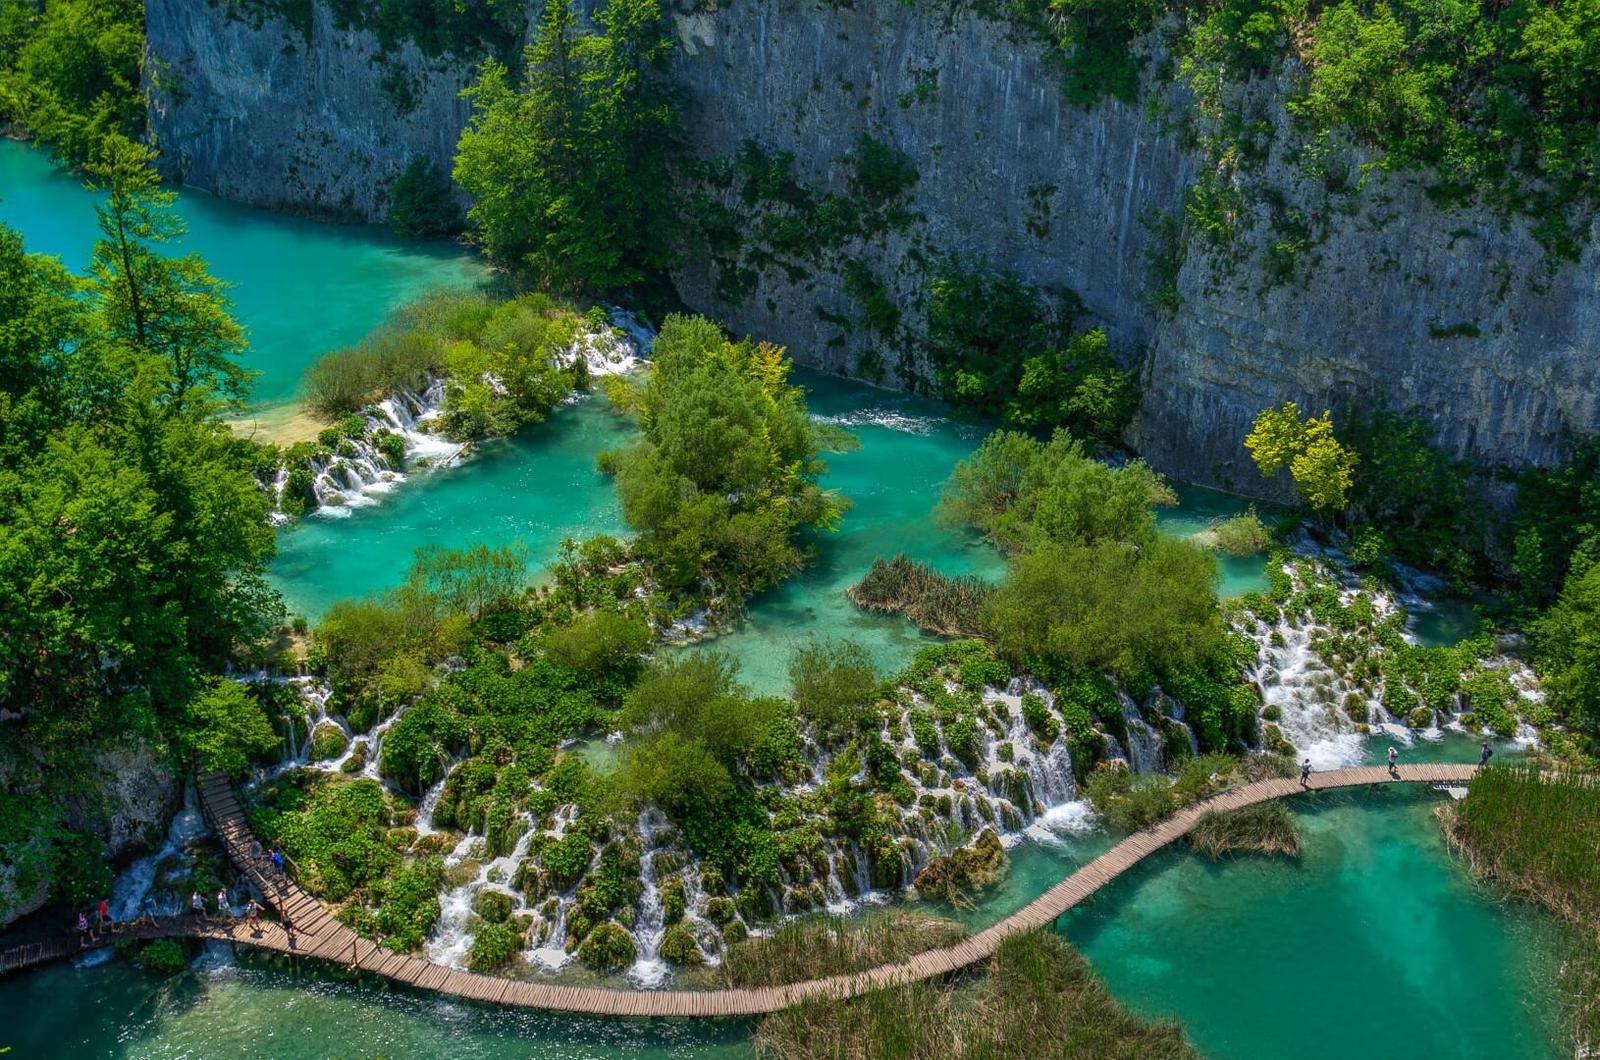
(252, 110)
(1454, 315)
(130, 795)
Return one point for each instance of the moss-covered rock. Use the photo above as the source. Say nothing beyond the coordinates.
(678, 946)
(493, 906)
(607, 948)
(328, 741)
(954, 876)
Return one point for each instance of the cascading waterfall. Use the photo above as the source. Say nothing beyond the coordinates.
(451, 941)
(149, 873)
(1144, 742)
(649, 970)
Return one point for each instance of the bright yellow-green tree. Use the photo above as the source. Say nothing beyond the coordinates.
(1323, 469)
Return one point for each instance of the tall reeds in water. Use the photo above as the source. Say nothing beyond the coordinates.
(938, 603)
(1036, 997)
(1536, 834)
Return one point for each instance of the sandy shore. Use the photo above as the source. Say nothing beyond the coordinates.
(282, 424)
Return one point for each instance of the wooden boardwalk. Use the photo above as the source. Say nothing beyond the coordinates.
(314, 933)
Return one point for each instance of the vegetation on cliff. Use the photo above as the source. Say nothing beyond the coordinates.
(571, 170)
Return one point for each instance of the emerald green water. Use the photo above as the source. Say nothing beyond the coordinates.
(300, 288)
(537, 488)
(1372, 944)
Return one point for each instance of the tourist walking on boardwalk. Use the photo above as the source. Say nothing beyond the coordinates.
(104, 913)
(1394, 758)
(85, 936)
(147, 909)
(222, 904)
(277, 862)
(1484, 754)
(197, 905)
(1305, 773)
(252, 913)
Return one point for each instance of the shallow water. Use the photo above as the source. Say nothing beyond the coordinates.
(1373, 944)
(300, 287)
(537, 488)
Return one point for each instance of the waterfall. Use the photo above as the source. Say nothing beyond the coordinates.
(169, 861)
(649, 970)
(1144, 742)
(451, 941)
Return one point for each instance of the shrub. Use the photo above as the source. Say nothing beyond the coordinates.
(678, 946)
(163, 957)
(607, 948)
(494, 947)
(1242, 535)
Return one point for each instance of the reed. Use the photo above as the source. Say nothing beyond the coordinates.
(938, 603)
(1536, 835)
(1265, 828)
(1036, 997)
(818, 947)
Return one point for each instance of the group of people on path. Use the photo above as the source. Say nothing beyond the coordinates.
(91, 922)
(1485, 752)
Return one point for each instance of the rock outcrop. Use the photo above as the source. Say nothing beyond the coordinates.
(1456, 315)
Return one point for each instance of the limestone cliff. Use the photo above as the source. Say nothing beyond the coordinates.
(1454, 314)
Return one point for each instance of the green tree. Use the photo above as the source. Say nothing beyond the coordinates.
(1323, 469)
(223, 727)
(571, 171)
(1568, 641)
(170, 309)
(421, 205)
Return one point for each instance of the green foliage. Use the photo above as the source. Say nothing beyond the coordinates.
(71, 71)
(1323, 469)
(472, 581)
(567, 859)
(408, 903)
(162, 957)
(833, 685)
(421, 204)
(494, 946)
(1080, 388)
(571, 172)
(1021, 492)
(995, 346)
(679, 947)
(607, 948)
(724, 476)
(223, 727)
(337, 838)
(1567, 639)
(1242, 535)
(133, 537)
(1110, 606)
(388, 361)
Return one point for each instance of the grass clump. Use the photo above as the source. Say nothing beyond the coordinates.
(1537, 836)
(1037, 997)
(824, 946)
(937, 603)
(1242, 535)
(953, 877)
(1265, 828)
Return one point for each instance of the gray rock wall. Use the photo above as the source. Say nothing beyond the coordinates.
(1009, 172)
(265, 117)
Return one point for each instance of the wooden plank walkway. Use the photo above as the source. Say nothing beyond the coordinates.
(315, 933)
